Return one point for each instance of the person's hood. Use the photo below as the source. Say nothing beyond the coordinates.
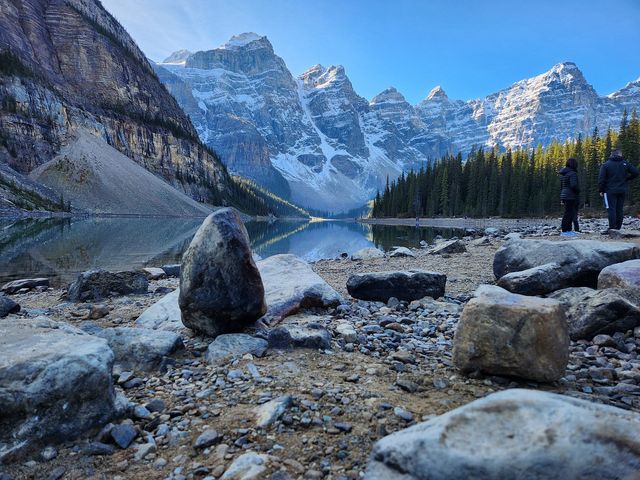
(566, 170)
(616, 158)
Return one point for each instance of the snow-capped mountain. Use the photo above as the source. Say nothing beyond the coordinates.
(315, 140)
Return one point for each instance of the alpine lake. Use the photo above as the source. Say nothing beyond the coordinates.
(61, 248)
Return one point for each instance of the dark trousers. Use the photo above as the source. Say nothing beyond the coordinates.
(576, 224)
(615, 210)
(570, 212)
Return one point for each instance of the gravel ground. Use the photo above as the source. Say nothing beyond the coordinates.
(389, 367)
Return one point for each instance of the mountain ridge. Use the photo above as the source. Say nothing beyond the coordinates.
(335, 148)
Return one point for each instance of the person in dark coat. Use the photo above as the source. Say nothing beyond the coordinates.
(615, 174)
(569, 195)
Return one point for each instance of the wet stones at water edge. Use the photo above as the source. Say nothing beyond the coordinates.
(100, 284)
(512, 435)
(503, 333)
(221, 290)
(450, 246)
(368, 253)
(404, 285)
(56, 384)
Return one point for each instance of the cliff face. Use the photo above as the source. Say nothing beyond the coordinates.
(68, 67)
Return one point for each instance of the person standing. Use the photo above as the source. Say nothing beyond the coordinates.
(569, 195)
(615, 174)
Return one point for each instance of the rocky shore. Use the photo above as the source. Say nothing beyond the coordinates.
(309, 391)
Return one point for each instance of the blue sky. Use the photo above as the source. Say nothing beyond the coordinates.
(470, 48)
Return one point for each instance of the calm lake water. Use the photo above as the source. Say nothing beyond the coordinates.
(61, 248)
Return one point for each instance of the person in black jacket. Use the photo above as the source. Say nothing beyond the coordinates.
(615, 173)
(569, 195)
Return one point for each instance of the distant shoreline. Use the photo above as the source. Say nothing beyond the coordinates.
(460, 222)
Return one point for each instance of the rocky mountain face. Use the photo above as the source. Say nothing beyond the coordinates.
(68, 67)
(317, 139)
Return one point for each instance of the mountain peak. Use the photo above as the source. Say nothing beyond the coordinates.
(389, 95)
(567, 72)
(437, 93)
(243, 40)
(178, 57)
(319, 76)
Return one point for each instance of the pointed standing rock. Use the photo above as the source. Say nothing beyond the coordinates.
(220, 287)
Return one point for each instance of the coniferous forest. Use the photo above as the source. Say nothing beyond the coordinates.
(515, 183)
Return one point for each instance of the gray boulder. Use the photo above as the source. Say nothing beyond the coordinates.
(403, 285)
(28, 283)
(503, 333)
(450, 246)
(300, 331)
(512, 435)
(368, 253)
(220, 287)
(290, 284)
(163, 315)
(536, 280)
(7, 306)
(234, 345)
(140, 349)
(620, 275)
(580, 260)
(99, 284)
(55, 384)
(592, 312)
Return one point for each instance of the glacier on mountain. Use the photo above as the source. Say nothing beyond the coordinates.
(314, 140)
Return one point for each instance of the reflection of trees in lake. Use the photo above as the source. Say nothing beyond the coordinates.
(388, 236)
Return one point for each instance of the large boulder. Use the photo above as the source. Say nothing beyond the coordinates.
(290, 284)
(620, 275)
(580, 260)
(7, 306)
(25, 283)
(163, 315)
(55, 384)
(140, 349)
(536, 280)
(220, 287)
(99, 284)
(503, 333)
(593, 312)
(234, 345)
(403, 285)
(512, 435)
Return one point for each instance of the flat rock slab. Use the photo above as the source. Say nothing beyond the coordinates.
(502, 333)
(620, 275)
(55, 384)
(580, 260)
(140, 349)
(450, 246)
(290, 284)
(368, 253)
(100, 284)
(593, 312)
(512, 435)
(29, 283)
(401, 252)
(271, 411)
(403, 285)
(248, 466)
(163, 315)
(234, 345)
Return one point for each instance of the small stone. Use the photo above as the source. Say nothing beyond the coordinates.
(57, 473)
(145, 449)
(141, 412)
(156, 405)
(98, 448)
(123, 434)
(49, 453)
(207, 438)
(403, 414)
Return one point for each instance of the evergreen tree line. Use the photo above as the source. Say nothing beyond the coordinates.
(523, 182)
